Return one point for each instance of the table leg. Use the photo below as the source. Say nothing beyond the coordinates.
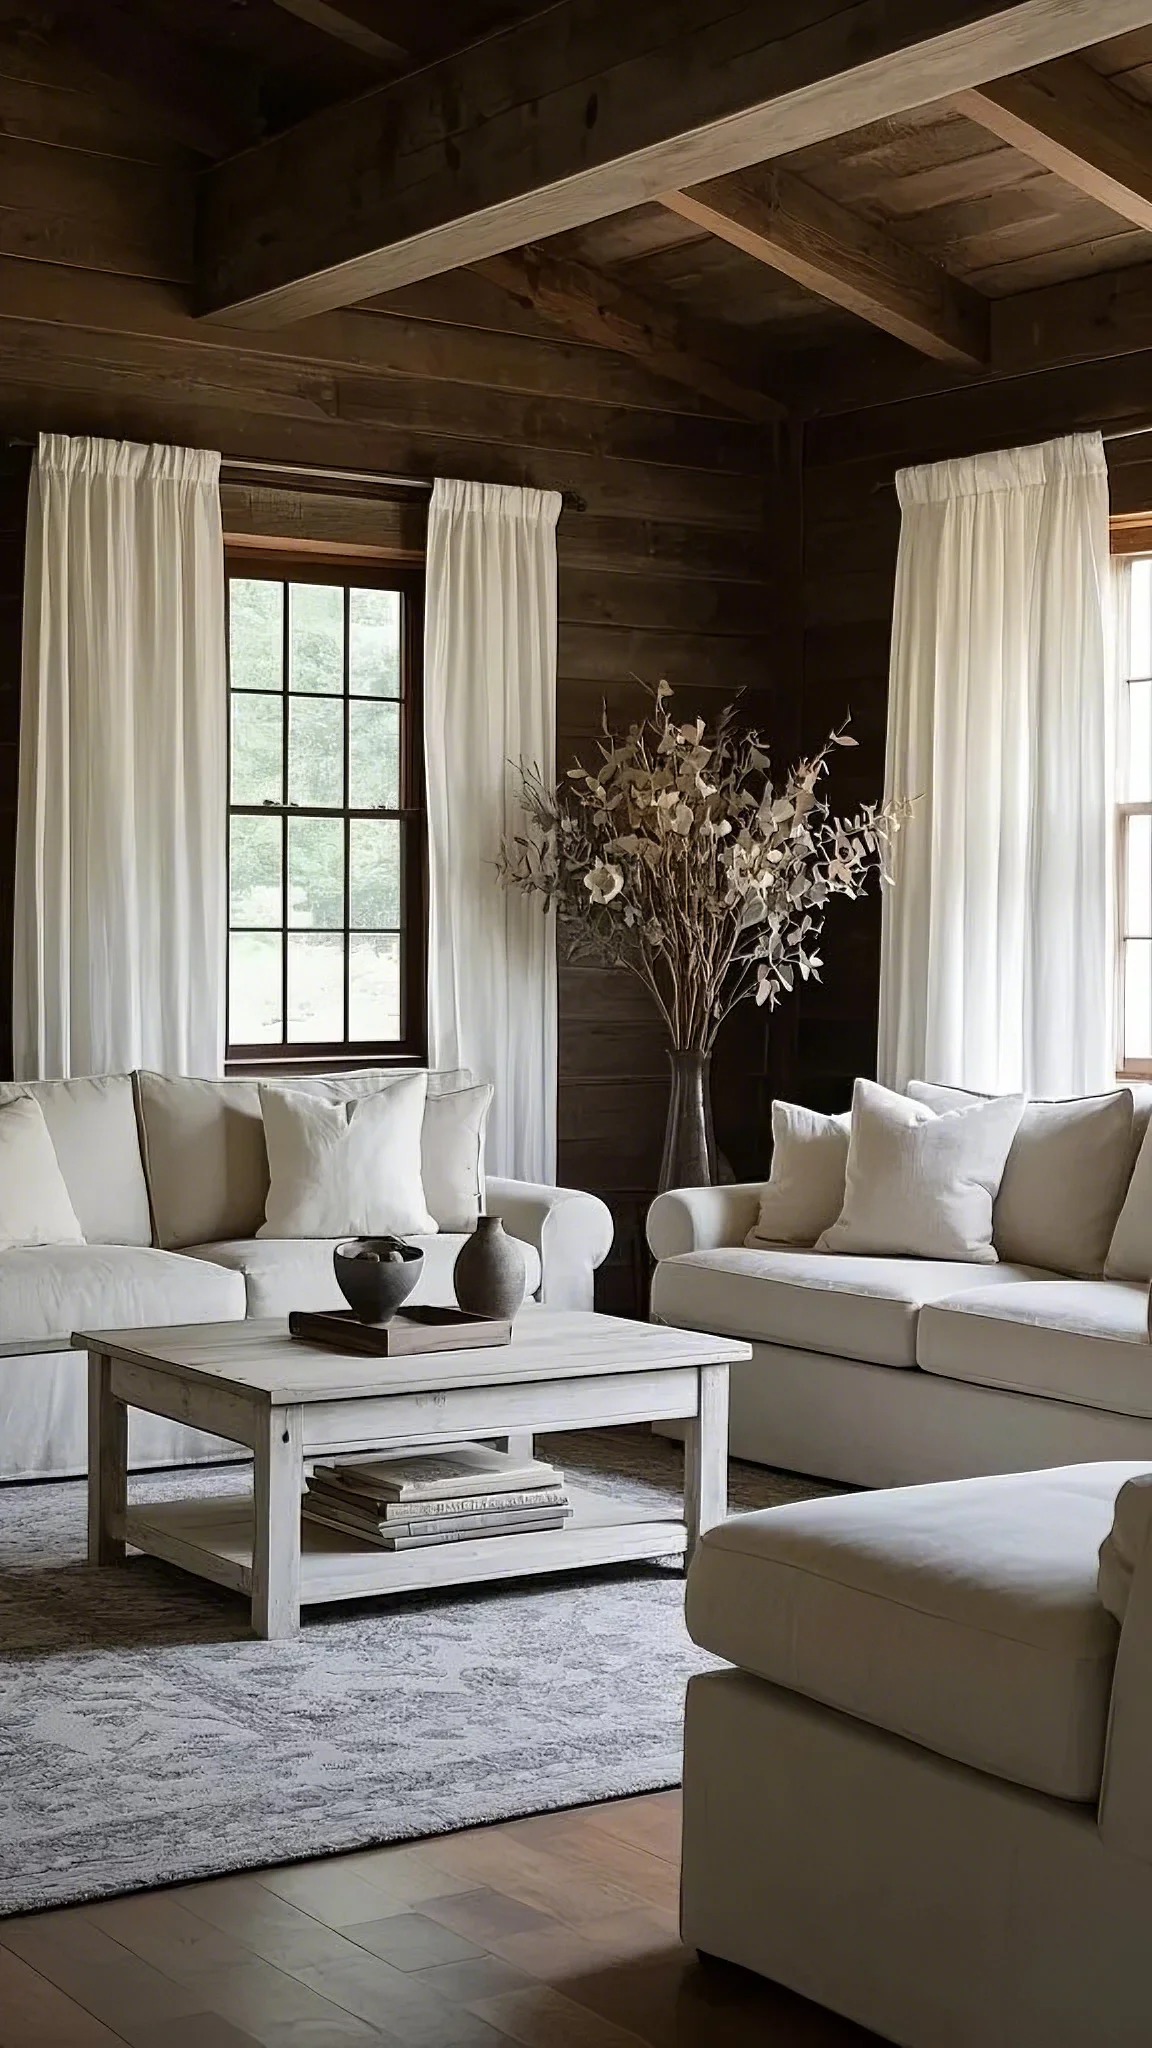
(519, 1445)
(706, 1456)
(278, 1478)
(107, 1464)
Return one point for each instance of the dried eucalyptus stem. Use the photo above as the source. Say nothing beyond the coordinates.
(679, 858)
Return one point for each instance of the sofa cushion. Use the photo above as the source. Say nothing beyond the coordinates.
(47, 1291)
(963, 1616)
(920, 1182)
(1064, 1181)
(204, 1147)
(814, 1301)
(283, 1273)
(92, 1125)
(1065, 1340)
(804, 1193)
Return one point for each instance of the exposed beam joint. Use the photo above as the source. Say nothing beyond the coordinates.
(1067, 117)
(595, 308)
(778, 220)
(362, 24)
(580, 111)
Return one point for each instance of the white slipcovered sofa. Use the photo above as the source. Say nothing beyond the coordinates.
(884, 1371)
(168, 1178)
(922, 1796)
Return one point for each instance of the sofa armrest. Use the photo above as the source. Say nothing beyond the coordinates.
(702, 1219)
(1125, 1812)
(571, 1231)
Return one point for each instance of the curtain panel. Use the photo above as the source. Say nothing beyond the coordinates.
(489, 704)
(120, 915)
(996, 959)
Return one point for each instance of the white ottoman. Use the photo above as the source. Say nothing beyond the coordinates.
(893, 1802)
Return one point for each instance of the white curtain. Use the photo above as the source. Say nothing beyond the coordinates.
(120, 841)
(490, 703)
(996, 968)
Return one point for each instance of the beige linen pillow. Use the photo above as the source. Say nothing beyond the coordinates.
(204, 1148)
(804, 1193)
(1064, 1181)
(452, 1155)
(920, 1185)
(345, 1169)
(1130, 1252)
(35, 1207)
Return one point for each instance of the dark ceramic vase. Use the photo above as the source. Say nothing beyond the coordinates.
(689, 1158)
(374, 1287)
(489, 1274)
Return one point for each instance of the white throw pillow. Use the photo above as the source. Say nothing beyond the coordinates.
(920, 1185)
(452, 1155)
(345, 1169)
(35, 1207)
(1122, 1547)
(1064, 1181)
(804, 1193)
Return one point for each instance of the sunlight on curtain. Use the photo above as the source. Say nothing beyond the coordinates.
(996, 968)
(490, 703)
(120, 843)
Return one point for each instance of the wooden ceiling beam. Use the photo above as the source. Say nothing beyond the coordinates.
(594, 307)
(583, 110)
(778, 220)
(362, 24)
(1067, 117)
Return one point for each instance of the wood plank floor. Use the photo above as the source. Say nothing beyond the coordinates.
(555, 1932)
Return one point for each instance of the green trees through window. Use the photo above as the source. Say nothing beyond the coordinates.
(322, 830)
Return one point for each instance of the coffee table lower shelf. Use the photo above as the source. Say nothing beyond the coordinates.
(213, 1539)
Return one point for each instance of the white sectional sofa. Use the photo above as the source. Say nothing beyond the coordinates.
(922, 1793)
(168, 1178)
(885, 1371)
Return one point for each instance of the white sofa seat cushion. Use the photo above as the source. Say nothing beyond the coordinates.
(813, 1301)
(1064, 1340)
(47, 1291)
(283, 1273)
(963, 1616)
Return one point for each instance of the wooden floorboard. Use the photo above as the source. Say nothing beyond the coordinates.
(557, 1931)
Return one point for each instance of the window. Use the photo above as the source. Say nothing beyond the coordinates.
(1134, 817)
(325, 827)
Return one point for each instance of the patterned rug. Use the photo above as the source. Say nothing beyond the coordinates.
(146, 1738)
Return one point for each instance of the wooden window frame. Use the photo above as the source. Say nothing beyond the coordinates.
(1126, 1069)
(361, 569)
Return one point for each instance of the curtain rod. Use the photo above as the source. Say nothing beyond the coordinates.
(242, 465)
(570, 500)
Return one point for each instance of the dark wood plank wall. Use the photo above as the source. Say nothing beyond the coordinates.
(671, 570)
(851, 526)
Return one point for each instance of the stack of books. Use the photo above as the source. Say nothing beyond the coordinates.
(402, 1500)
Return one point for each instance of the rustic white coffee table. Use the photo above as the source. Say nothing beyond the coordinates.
(290, 1402)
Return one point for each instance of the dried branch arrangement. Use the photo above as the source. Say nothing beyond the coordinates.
(680, 858)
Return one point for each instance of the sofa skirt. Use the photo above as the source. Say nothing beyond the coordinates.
(940, 1906)
(44, 1424)
(880, 1425)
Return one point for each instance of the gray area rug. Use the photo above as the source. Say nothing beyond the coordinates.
(146, 1738)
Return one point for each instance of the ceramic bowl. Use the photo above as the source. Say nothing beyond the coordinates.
(375, 1274)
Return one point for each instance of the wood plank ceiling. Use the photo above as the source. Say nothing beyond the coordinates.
(917, 226)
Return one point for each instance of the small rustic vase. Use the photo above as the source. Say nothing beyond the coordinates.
(489, 1275)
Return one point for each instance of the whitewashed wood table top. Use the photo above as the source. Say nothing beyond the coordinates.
(260, 1358)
